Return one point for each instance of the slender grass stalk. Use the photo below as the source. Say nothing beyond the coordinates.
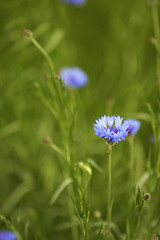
(46, 55)
(109, 192)
(46, 102)
(156, 26)
(63, 126)
(132, 163)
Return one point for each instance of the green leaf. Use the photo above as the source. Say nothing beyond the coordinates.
(100, 230)
(54, 40)
(15, 197)
(85, 167)
(94, 164)
(60, 189)
(56, 148)
(139, 200)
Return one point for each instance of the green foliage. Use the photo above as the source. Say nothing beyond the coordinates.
(53, 187)
(139, 200)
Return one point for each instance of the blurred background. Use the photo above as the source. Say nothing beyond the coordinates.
(110, 41)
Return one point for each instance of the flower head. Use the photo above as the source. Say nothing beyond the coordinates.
(8, 235)
(113, 129)
(76, 2)
(133, 126)
(74, 77)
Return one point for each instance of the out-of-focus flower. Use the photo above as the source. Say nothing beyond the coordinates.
(8, 235)
(76, 2)
(113, 129)
(74, 77)
(133, 126)
(152, 139)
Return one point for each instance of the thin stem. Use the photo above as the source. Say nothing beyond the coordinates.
(72, 213)
(46, 102)
(70, 192)
(109, 191)
(156, 24)
(86, 229)
(132, 163)
(46, 55)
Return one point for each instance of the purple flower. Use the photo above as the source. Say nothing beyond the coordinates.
(8, 235)
(133, 126)
(113, 129)
(76, 2)
(74, 77)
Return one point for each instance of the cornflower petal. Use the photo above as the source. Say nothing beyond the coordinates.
(111, 128)
(133, 126)
(74, 77)
(8, 235)
(75, 2)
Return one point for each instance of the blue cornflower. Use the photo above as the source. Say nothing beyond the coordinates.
(74, 77)
(111, 128)
(152, 139)
(133, 126)
(8, 235)
(76, 2)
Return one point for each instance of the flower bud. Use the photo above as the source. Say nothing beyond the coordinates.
(152, 40)
(153, 2)
(27, 33)
(97, 214)
(46, 76)
(148, 105)
(110, 100)
(57, 77)
(155, 237)
(147, 196)
(46, 140)
(158, 82)
(36, 84)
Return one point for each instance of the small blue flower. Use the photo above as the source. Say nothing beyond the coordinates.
(76, 2)
(8, 235)
(133, 126)
(113, 129)
(74, 77)
(152, 139)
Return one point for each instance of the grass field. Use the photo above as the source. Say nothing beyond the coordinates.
(53, 168)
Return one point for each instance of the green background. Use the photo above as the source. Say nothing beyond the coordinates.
(110, 41)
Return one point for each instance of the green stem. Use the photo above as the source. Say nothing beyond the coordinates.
(72, 213)
(157, 37)
(46, 102)
(86, 229)
(156, 24)
(109, 191)
(46, 55)
(132, 164)
(70, 192)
